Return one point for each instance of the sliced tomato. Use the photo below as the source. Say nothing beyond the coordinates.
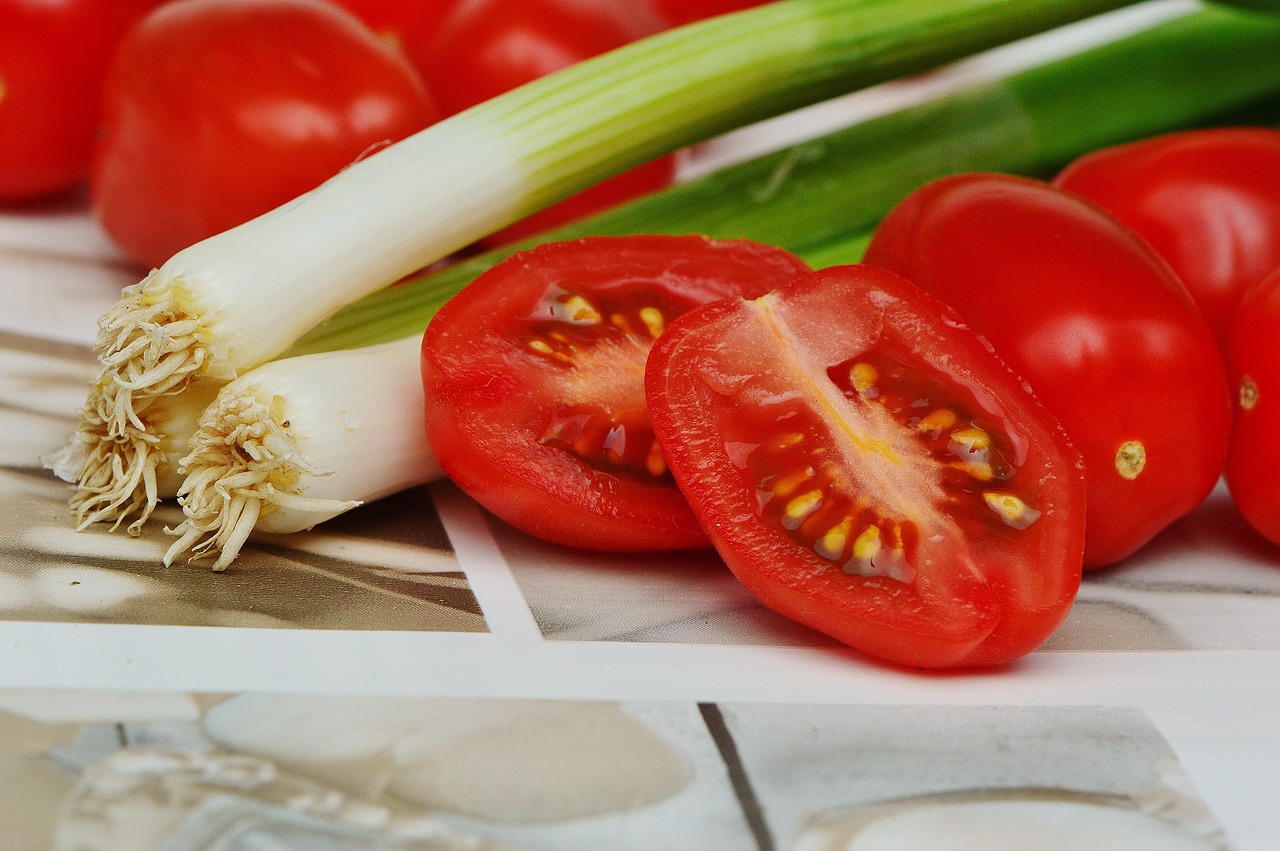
(1253, 464)
(866, 466)
(1207, 200)
(1095, 321)
(535, 379)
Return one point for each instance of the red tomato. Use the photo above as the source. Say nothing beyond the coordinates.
(535, 376)
(52, 57)
(1253, 464)
(1095, 321)
(488, 47)
(218, 111)
(1208, 201)
(677, 12)
(400, 21)
(866, 466)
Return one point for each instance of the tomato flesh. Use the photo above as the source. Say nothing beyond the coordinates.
(1253, 463)
(535, 379)
(1104, 332)
(866, 466)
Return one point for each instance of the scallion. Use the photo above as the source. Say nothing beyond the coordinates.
(241, 298)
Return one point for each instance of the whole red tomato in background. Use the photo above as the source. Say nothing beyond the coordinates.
(1208, 201)
(52, 57)
(1098, 325)
(536, 375)
(400, 21)
(216, 112)
(1253, 357)
(866, 466)
(487, 47)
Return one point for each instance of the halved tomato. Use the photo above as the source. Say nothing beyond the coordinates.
(867, 466)
(534, 376)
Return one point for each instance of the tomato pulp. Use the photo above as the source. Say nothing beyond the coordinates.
(1208, 201)
(1253, 464)
(534, 376)
(866, 466)
(1097, 323)
(217, 112)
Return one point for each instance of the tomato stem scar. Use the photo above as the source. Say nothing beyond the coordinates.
(1131, 457)
(1248, 393)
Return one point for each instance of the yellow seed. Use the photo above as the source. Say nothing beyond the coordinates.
(1131, 458)
(786, 485)
(831, 545)
(541, 347)
(800, 508)
(938, 421)
(655, 462)
(652, 319)
(972, 438)
(863, 376)
(867, 545)
(1011, 509)
(1248, 393)
(578, 310)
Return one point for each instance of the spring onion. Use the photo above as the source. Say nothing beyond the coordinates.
(242, 297)
(821, 198)
(299, 441)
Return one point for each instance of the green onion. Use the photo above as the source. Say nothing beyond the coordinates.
(299, 441)
(244, 296)
(821, 198)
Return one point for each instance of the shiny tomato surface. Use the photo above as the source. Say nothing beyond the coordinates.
(53, 54)
(1253, 355)
(487, 47)
(1098, 325)
(677, 12)
(1208, 201)
(534, 376)
(866, 466)
(218, 111)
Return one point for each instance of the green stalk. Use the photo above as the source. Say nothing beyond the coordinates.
(821, 198)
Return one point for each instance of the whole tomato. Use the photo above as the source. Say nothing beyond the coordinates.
(52, 57)
(487, 47)
(1208, 201)
(1253, 464)
(400, 21)
(1097, 324)
(217, 111)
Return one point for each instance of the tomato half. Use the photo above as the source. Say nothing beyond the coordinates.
(866, 466)
(1253, 464)
(484, 48)
(534, 376)
(1095, 321)
(53, 54)
(219, 111)
(1208, 201)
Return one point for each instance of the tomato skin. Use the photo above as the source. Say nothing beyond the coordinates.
(487, 47)
(1208, 201)
(1099, 326)
(400, 22)
(217, 112)
(678, 12)
(505, 366)
(52, 57)
(982, 594)
(1253, 463)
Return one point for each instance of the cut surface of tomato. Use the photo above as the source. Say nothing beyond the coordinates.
(1099, 325)
(534, 376)
(868, 467)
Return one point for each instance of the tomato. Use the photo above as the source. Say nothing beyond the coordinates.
(866, 466)
(1095, 321)
(400, 21)
(1208, 201)
(677, 12)
(52, 57)
(218, 111)
(535, 373)
(487, 47)
(1253, 463)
